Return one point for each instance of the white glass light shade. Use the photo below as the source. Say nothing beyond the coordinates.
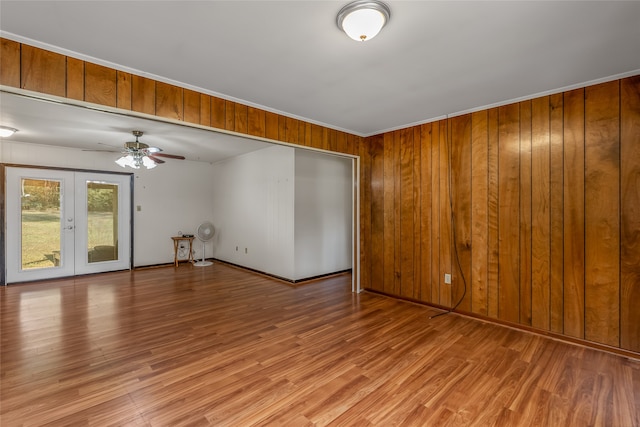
(148, 163)
(122, 161)
(363, 20)
(363, 25)
(135, 162)
(6, 131)
(127, 160)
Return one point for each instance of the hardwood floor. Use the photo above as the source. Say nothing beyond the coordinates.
(221, 346)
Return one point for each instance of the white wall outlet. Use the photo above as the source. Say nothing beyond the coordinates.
(447, 279)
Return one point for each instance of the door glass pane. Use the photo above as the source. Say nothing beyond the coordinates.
(40, 222)
(102, 221)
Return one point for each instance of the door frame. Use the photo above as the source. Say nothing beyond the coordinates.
(3, 208)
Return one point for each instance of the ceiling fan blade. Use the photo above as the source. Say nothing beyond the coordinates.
(169, 156)
(111, 150)
(155, 159)
(108, 145)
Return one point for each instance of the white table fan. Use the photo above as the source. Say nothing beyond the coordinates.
(205, 233)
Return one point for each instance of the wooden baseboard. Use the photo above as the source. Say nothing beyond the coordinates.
(291, 282)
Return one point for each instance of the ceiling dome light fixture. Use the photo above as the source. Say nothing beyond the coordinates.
(362, 20)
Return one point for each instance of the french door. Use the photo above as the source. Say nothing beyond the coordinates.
(64, 223)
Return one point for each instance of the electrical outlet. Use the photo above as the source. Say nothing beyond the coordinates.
(447, 279)
(245, 251)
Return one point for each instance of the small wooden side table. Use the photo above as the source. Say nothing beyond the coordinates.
(176, 242)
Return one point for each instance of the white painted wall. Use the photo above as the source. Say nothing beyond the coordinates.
(253, 207)
(323, 207)
(290, 209)
(173, 197)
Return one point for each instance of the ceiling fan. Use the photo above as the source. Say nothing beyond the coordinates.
(137, 154)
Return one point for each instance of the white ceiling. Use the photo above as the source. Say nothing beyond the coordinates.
(434, 58)
(53, 123)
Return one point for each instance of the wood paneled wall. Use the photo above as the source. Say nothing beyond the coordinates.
(38, 70)
(533, 207)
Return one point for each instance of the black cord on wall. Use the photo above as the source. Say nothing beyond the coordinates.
(453, 227)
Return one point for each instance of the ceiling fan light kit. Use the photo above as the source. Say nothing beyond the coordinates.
(135, 161)
(138, 154)
(362, 20)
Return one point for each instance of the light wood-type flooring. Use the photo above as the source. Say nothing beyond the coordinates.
(221, 346)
